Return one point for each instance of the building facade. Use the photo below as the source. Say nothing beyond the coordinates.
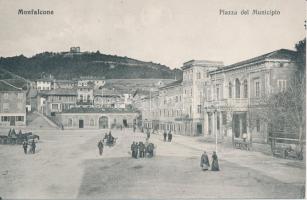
(12, 105)
(95, 118)
(220, 101)
(234, 94)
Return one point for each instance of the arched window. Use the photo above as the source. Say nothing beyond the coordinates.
(230, 90)
(245, 89)
(237, 88)
(92, 122)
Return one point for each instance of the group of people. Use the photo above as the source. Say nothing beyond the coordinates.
(205, 164)
(109, 138)
(140, 150)
(168, 135)
(32, 145)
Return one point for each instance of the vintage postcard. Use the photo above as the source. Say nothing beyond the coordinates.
(152, 99)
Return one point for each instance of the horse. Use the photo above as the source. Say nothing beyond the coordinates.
(3, 139)
(32, 137)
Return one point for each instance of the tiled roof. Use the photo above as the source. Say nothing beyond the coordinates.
(175, 83)
(278, 54)
(99, 110)
(107, 93)
(61, 92)
(7, 87)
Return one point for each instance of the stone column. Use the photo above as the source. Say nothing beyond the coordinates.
(213, 119)
(241, 125)
(206, 123)
(221, 125)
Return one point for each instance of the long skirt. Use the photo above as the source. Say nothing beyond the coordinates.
(215, 166)
(205, 167)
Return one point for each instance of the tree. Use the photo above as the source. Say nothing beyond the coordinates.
(285, 111)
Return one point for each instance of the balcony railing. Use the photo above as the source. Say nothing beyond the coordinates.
(235, 102)
(85, 102)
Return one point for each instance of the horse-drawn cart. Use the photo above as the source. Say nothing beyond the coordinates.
(286, 146)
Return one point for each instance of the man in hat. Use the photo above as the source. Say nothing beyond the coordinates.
(25, 146)
(33, 146)
(164, 136)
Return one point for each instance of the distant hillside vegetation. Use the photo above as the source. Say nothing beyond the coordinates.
(74, 65)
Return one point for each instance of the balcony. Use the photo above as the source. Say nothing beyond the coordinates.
(85, 103)
(236, 103)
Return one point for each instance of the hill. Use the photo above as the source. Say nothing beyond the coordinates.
(68, 65)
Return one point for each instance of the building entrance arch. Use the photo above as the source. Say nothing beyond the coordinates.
(103, 122)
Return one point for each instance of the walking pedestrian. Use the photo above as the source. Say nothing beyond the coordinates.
(142, 149)
(215, 163)
(33, 146)
(136, 150)
(164, 136)
(204, 161)
(169, 136)
(148, 134)
(100, 147)
(25, 146)
(133, 149)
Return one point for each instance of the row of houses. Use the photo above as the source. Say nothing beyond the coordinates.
(214, 100)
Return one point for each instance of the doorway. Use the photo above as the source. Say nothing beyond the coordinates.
(81, 123)
(12, 121)
(103, 122)
(199, 128)
(125, 123)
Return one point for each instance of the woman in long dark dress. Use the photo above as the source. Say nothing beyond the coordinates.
(215, 163)
(204, 161)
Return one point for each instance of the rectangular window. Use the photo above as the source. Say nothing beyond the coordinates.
(224, 118)
(282, 85)
(70, 122)
(5, 107)
(198, 108)
(198, 75)
(19, 106)
(257, 89)
(258, 125)
(20, 95)
(20, 118)
(6, 95)
(218, 121)
(55, 106)
(217, 93)
(5, 118)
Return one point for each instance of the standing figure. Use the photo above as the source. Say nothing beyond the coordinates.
(136, 149)
(105, 137)
(215, 163)
(169, 136)
(33, 146)
(100, 147)
(148, 134)
(25, 146)
(142, 149)
(204, 161)
(164, 136)
(134, 128)
(132, 149)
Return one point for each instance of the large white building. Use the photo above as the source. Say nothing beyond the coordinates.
(215, 100)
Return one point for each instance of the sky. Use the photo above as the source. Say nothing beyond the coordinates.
(169, 32)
